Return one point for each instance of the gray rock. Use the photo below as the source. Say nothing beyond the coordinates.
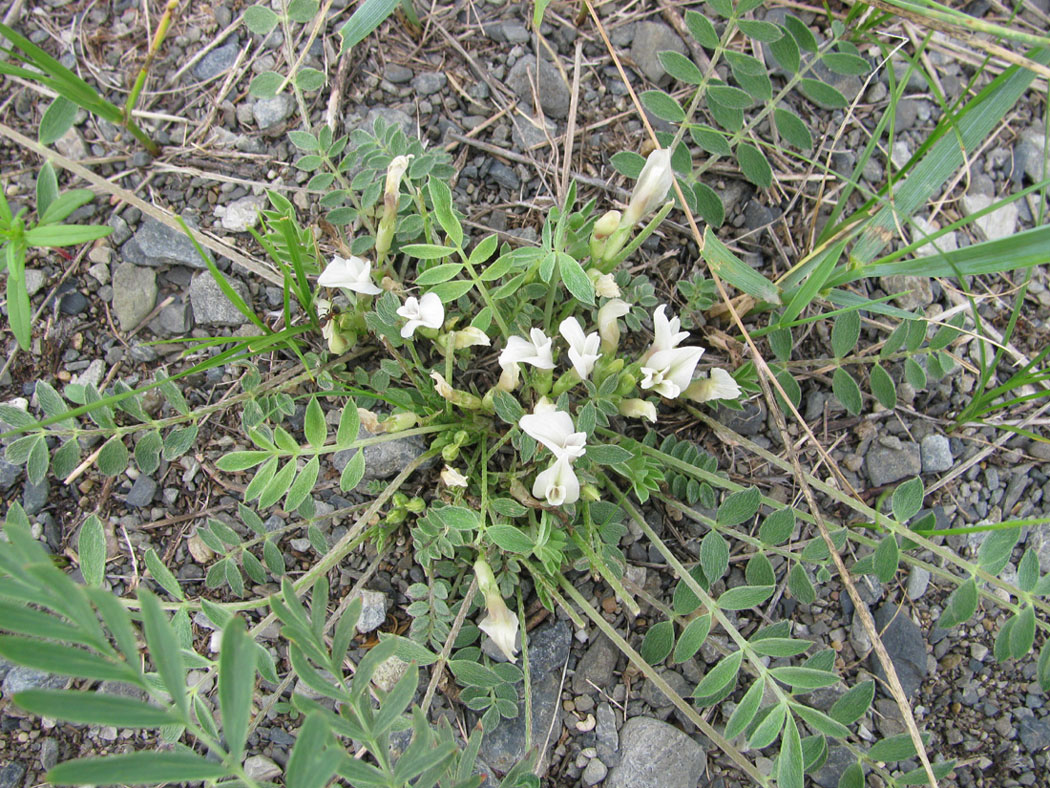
(948, 242)
(241, 215)
(656, 755)
(48, 754)
(515, 32)
(429, 83)
(21, 678)
(1035, 734)
(271, 111)
(594, 671)
(35, 279)
(9, 474)
(176, 319)
(11, 775)
(650, 39)
(526, 134)
(397, 74)
(34, 496)
(551, 88)
(936, 454)
(1030, 156)
(1000, 223)
(548, 652)
(155, 244)
(218, 60)
(594, 772)
(905, 645)
(71, 145)
(211, 307)
(259, 767)
(918, 582)
(92, 375)
(142, 492)
(607, 739)
(373, 611)
(886, 464)
(134, 294)
(382, 460)
(655, 697)
(839, 759)
(915, 292)
(749, 420)
(1039, 540)
(504, 176)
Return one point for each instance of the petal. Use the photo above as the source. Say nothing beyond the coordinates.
(432, 311)
(571, 329)
(552, 429)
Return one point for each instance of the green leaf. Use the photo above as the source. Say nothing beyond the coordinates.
(46, 187)
(804, 679)
(853, 777)
(777, 527)
(960, 605)
(607, 454)
(711, 140)
(38, 460)
(739, 507)
(57, 120)
(179, 441)
(91, 550)
(260, 19)
(113, 458)
(780, 647)
(428, 251)
(680, 67)
(576, 280)
(94, 708)
(914, 374)
(883, 388)
(790, 764)
(792, 128)
(845, 331)
(854, 703)
(1022, 634)
(822, 722)
(730, 97)
(303, 484)
(628, 163)
(663, 106)
(692, 637)
(658, 642)
(714, 556)
(759, 571)
(137, 768)
(720, 676)
(441, 196)
(892, 749)
(302, 11)
(1043, 667)
(147, 452)
(754, 165)
(785, 51)
(368, 16)
(848, 65)
(65, 234)
(802, 34)
(822, 94)
(887, 557)
(994, 552)
(237, 661)
(846, 390)
(735, 271)
(709, 204)
(474, 674)
(744, 597)
(314, 425)
(800, 585)
(766, 732)
(745, 710)
(702, 29)
(918, 776)
(1028, 570)
(60, 659)
(65, 204)
(507, 537)
(907, 499)
(164, 650)
(765, 32)
(266, 84)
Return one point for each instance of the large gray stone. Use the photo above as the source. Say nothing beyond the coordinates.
(594, 671)
(134, 294)
(1000, 223)
(20, 678)
(210, 305)
(548, 653)
(155, 244)
(650, 39)
(892, 460)
(550, 87)
(656, 755)
(905, 645)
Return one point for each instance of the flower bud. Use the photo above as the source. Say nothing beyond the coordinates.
(450, 477)
(500, 624)
(394, 173)
(462, 399)
(589, 492)
(396, 422)
(469, 337)
(638, 409)
(608, 330)
(654, 182)
(604, 284)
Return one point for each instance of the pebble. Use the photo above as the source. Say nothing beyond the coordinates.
(269, 112)
(594, 772)
(261, 768)
(948, 242)
(142, 492)
(100, 272)
(650, 39)
(656, 755)
(1000, 223)
(218, 60)
(1035, 734)
(429, 82)
(607, 739)
(553, 92)
(918, 582)
(839, 759)
(35, 279)
(373, 611)
(11, 775)
(1029, 156)
(71, 145)
(891, 461)
(210, 305)
(905, 645)
(21, 678)
(594, 670)
(9, 474)
(382, 460)
(389, 672)
(241, 215)
(155, 244)
(936, 454)
(397, 74)
(48, 753)
(504, 176)
(134, 294)
(915, 292)
(34, 496)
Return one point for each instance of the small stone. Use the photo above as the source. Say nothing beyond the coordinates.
(271, 111)
(608, 740)
(514, 32)
(71, 145)
(594, 772)
(211, 307)
(594, 670)
(553, 92)
(35, 279)
(243, 214)
(261, 768)
(389, 672)
(142, 492)
(1035, 734)
(936, 454)
(9, 474)
(155, 244)
(504, 176)
(176, 319)
(48, 754)
(382, 460)
(914, 292)
(11, 775)
(373, 611)
(1000, 223)
(34, 496)
(905, 645)
(134, 294)
(650, 39)
(1030, 156)
(886, 464)
(100, 273)
(218, 60)
(527, 134)
(429, 83)
(839, 759)
(21, 678)
(918, 582)
(900, 153)
(923, 228)
(397, 74)
(656, 755)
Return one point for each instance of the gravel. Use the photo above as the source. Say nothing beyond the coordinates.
(373, 611)
(905, 645)
(142, 492)
(936, 451)
(271, 111)
(241, 215)
(218, 60)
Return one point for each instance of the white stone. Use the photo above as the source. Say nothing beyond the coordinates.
(242, 214)
(1000, 223)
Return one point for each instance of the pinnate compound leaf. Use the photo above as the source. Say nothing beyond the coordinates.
(91, 549)
(145, 767)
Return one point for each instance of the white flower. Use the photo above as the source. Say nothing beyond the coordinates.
(655, 180)
(666, 335)
(638, 409)
(428, 312)
(394, 173)
(718, 385)
(558, 484)
(353, 274)
(669, 372)
(553, 428)
(536, 351)
(607, 327)
(605, 286)
(583, 350)
(500, 624)
(450, 477)
(468, 337)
